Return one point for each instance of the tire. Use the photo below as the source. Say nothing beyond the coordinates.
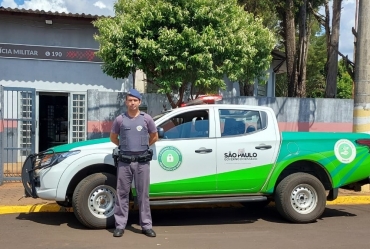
(300, 198)
(93, 200)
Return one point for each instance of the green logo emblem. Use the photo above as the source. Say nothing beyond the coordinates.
(345, 151)
(170, 158)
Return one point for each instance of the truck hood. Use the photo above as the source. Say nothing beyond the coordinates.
(101, 143)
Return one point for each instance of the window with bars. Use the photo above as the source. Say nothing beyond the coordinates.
(25, 123)
(78, 117)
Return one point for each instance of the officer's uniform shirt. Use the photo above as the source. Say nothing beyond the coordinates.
(133, 126)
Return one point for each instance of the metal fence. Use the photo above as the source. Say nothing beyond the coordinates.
(1, 135)
(17, 132)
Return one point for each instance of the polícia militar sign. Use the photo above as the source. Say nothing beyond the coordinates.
(39, 52)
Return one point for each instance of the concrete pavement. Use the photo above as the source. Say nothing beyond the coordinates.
(12, 200)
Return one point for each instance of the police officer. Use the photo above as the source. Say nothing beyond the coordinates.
(136, 131)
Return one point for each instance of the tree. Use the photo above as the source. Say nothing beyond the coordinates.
(345, 82)
(294, 16)
(264, 10)
(178, 43)
(332, 40)
(316, 62)
(331, 78)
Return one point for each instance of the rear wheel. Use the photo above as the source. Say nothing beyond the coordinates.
(300, 198)
(94, 199)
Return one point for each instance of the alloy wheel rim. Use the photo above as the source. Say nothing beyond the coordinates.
(101, 201)
(303, 199)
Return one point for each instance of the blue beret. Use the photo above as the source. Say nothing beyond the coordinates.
(134, 93)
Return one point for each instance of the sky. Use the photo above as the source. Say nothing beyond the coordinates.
(105, 7)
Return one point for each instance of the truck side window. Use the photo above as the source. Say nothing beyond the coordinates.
(241, 122)
(192, 124)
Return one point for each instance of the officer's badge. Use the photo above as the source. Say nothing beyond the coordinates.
(139, 128)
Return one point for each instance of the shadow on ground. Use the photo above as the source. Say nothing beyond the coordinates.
(183, 217)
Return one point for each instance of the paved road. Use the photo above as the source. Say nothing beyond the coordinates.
(342, 226)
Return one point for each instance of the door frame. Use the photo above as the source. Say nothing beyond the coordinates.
(37, 106)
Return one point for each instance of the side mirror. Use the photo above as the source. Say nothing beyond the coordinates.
(160, 132)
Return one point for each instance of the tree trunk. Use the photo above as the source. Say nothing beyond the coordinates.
(331, 78)
(290, 47)
(246, 89)
(327, 32)
(303, 50)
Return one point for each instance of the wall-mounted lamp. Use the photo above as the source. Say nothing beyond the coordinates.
(50, 22)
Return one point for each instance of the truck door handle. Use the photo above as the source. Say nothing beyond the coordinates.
(263, 147)
(203, 151)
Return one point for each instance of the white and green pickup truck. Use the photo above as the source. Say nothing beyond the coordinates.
(209, 154)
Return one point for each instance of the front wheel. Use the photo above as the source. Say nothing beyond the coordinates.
(94, 199)
(300, 198)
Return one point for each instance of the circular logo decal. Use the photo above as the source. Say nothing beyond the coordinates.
(345, 151)
(170, 158)
(139, 128)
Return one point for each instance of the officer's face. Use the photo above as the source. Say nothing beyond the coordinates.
(132, 103)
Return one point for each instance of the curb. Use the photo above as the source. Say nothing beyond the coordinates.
(36, 208)
(55, 208)
(350, 200)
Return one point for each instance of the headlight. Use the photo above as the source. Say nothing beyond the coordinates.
(55, 158)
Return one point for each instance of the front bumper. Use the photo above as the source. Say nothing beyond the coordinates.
(31, 179)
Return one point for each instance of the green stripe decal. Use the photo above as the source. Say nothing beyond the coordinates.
(191, 186)
(71, 146)
(248, 180)
(352, 171)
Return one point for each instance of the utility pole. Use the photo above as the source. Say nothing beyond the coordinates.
(361, 110)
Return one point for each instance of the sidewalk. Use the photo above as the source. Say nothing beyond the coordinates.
(12, 194)
(12, 200)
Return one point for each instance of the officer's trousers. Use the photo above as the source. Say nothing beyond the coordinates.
(141, 174)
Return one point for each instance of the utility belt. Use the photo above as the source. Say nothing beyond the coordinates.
(145, 157)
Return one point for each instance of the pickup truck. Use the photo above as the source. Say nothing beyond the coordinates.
(216, 153)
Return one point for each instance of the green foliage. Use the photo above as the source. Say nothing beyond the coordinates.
(316, 79)
(344, 82)
(265, 10)
(316, 60)
(181, 42)
(281, 87)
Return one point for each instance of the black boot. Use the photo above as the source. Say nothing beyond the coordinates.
(118, 232)
(149, 232)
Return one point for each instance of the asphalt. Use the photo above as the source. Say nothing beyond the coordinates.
(12, 200)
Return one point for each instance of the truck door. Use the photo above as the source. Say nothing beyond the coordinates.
(247, 149)
(185, 159)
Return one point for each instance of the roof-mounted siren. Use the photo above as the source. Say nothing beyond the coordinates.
(203, 99)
